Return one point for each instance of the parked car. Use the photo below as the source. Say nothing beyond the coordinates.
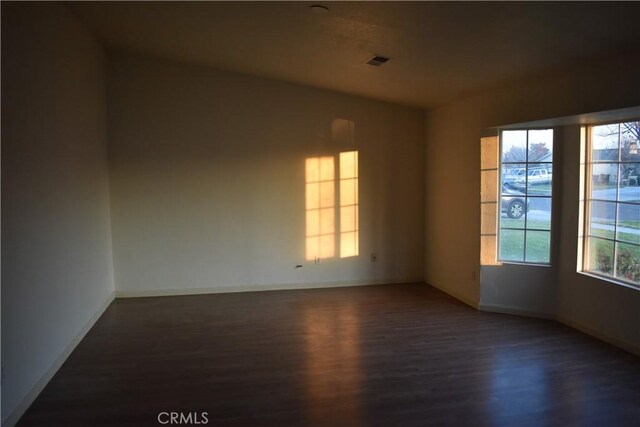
(510, 177)
(534, 177)
(513, 202)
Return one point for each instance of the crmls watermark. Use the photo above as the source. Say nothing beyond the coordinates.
(192, 418)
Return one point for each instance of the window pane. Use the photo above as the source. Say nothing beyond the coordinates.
(539, 215)
(628, 262)
(603, 216)
(539, 179)
(526, 170)
(600, 256)
(630, 141)
(629, 182)
(604, 180)
(541, 145)
(628, 223)
(511, 174)
(538, 246)
(512, 245)
(514, 146)
(513, 212)
(615, 153)
(604, 143)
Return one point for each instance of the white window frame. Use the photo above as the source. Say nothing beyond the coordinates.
(585, 207)
(526, 163)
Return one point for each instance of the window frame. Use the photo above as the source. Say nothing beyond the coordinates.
(586, 207)
(526, 172)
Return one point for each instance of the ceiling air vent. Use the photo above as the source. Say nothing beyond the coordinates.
(377, 60)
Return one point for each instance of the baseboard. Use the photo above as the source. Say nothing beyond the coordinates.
(505, 309)
(625, 345)
(258, 288)
(44, 380)
(463, 298)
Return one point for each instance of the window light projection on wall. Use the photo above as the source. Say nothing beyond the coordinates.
(321, 213)
(348, 204)
(489, 148)
(320, 208)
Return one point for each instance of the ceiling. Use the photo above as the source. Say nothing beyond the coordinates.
(440, 50)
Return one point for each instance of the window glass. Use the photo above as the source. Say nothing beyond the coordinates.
(612, 226)
(525, 196)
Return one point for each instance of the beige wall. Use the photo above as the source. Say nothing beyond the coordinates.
(452, 218)
(56, 245)
(208, 181)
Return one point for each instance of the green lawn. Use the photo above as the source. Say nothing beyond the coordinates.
(621, 223)
(627, 237)
(600, 252)
(512, 246)
(519, 223)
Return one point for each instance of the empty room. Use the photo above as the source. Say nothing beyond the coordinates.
(320, 214)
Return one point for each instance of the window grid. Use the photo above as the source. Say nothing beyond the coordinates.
(588, 206)
(525, 229)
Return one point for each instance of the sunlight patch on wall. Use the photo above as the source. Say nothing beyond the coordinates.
(320, 208)
(489, 211)
(349, 204)
(325, 210)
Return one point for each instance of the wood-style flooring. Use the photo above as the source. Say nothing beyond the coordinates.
(392, 355)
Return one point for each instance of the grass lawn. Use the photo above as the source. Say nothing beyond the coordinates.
(627, 237)
(512, 246)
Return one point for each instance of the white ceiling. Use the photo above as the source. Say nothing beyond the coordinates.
(440, 51)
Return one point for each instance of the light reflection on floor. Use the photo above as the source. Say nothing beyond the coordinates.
(333, 364)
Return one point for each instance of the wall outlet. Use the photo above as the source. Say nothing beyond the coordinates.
(374, 257)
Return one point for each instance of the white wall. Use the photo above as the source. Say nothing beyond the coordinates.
(452, 218)
(208, 181)
(56, 248)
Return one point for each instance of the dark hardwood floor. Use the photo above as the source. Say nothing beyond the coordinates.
(393, 355)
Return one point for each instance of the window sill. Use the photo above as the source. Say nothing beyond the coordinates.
(528, 264)
(611, 280)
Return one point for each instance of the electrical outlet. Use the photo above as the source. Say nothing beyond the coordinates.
(374, 257)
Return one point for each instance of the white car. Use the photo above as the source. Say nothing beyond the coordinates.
(535, 176)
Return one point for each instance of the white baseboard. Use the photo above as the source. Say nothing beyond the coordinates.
(255, 288)
(463, 298)
(505, 309)
(625, 345)
(44, 380)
